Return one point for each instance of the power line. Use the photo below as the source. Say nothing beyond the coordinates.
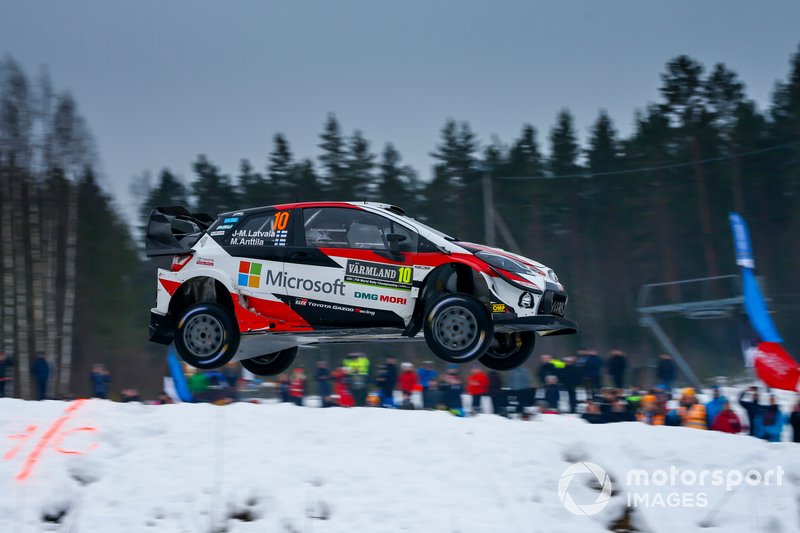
(650, 169)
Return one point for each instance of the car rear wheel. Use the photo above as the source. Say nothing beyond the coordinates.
(509, 350)
(270, 364)
(458, 328)
(207, 336)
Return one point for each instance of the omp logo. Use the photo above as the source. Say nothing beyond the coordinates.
(249, 274)
(381, 298)
(565, 481)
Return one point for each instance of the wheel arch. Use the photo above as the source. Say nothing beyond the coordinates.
(199, 289)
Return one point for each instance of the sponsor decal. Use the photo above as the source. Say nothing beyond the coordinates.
(498, 308)
(378, 275)
(280, 279)
(244, 237)
(225, 226)
(381, 298)
(239, 214)
(249, 274)
(334, 307)
(217, 233)
(230, 220)
(203, 241)
(205, 261)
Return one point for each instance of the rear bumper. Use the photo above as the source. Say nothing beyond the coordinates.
(161, 328)
(545, 325)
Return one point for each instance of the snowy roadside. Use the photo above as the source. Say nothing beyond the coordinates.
(247, 468)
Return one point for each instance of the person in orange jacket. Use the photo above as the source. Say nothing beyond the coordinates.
(726, 420)
(692, 411)
(477, 387)
(297, 386)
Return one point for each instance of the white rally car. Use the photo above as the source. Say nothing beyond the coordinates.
(255, 285)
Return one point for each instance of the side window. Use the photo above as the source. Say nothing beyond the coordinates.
(338, 227)
(261, 229)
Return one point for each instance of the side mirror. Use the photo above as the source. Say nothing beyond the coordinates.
(394, 241)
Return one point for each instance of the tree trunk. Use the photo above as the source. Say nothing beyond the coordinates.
(8, 274)
(67, 324)
(51, 264)
(21, 283)
(37, 284)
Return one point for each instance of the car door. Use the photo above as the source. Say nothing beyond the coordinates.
(343, 274)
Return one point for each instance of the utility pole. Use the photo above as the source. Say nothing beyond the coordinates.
(488, 209)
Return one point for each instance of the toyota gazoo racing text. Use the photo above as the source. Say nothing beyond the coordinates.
(254, 285)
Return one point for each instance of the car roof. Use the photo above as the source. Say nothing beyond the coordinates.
(294, 205)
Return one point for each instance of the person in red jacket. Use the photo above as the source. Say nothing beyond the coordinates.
(408, 379)
(477, 387)
(297, 386)
(726, 420)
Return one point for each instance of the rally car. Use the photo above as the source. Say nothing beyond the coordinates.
(256, 284)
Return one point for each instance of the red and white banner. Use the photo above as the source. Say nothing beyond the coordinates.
(775, 367)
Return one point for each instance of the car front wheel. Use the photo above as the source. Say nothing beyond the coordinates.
(206, 336)
(458, 328)
(509, 350)
(270, 364)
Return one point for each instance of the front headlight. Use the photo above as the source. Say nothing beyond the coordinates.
(504, 263)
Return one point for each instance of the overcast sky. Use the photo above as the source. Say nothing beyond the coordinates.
(160, 82)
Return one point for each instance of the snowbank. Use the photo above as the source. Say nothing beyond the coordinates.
(248, 468)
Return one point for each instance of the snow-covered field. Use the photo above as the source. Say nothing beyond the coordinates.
(265, 468)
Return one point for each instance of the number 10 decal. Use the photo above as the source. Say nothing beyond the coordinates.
(404, 274)
(281, 219)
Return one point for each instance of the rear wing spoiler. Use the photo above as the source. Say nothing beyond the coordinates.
(174, 230)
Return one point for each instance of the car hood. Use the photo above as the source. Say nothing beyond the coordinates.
(540, 270)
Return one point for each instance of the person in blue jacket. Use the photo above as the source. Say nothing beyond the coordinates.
(99, 378)
(772, 421)
(40, 370)
(714, 406)
(426, 373)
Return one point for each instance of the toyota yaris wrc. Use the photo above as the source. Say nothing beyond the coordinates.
(256, 284)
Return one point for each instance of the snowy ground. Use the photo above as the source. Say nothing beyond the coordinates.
(248, 468)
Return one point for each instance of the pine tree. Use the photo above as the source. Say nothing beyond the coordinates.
(212, 191)
(169, 191)
(280, 169)
(524, 158)
(603, 154)
(254, 190)
(306, 184)
(334, 159)
(564, 149)
(396, 183)
(360, 162)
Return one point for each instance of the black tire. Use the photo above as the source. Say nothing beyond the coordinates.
(270, 364)
(206, 336)
(458, 328)
(509, 350)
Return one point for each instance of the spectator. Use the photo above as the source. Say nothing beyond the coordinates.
(477, 387)
(772, 421)
(620, 412)
(649, 411)
(592, 372)
(391, 381)
(198, 385)
(496, 393)
(5, 364)
(726, 420)
(99, 378)
(692, 411)
(342, 381)
(358, 365)
(794, 420)
(130, 395)
(231, 374)
(714, 406)
(297, 386)
(673, 414)
(754, 410)
(40, 369)
(546, 368)
(521, 393)
(407, 381)
(593, 415)
(322, 376)
(283, 388)
(454, 390)
(425, 374)
(385, 390)
(552, 392)
(617, 364)
(571, 379)
(665, 373)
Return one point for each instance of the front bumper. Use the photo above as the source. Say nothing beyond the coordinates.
(161, 330)
(545, 325)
